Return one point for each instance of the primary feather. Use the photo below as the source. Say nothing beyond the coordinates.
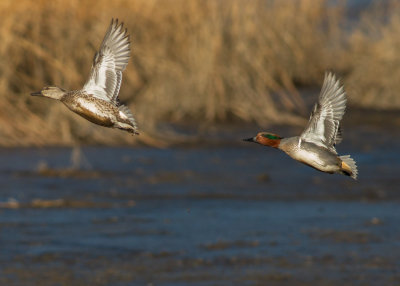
(322, 128)
(108, 64)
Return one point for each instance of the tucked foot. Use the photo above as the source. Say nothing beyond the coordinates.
(127, 127)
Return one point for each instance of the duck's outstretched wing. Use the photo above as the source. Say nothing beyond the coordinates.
(323, 126)
(109, 63)
(339, 136)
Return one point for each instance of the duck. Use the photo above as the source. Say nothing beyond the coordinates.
(98, 100)
(315, 146)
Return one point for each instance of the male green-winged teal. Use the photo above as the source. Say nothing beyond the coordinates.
(315, 147)
(98, 100)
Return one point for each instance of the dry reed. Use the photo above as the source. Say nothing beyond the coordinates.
(375, 64)
(199, 60)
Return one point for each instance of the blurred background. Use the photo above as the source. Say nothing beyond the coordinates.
(186, 202)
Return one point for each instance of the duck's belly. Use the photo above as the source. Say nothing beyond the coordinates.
(95, 118)
(97, 112)
(325, 162)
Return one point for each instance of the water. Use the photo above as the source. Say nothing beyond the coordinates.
(237, 215)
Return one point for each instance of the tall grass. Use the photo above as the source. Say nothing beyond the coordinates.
(374, 77)
(202, 61)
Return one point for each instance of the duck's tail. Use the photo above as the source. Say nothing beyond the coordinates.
(348, 166)
(128, 114)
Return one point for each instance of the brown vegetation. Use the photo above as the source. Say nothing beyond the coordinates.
(374, 78)
(198, 60)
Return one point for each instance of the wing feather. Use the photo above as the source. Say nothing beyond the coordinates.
(323, 126)
(108, 64)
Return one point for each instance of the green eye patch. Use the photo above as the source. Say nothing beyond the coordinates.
(270, 136)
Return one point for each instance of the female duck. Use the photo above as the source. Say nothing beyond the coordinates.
(315, 147)
(98, 100)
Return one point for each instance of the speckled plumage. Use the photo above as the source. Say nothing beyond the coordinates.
(98, 100)
(315, 147)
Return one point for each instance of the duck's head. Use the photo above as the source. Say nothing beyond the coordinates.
(53, 92)
(265, 138)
